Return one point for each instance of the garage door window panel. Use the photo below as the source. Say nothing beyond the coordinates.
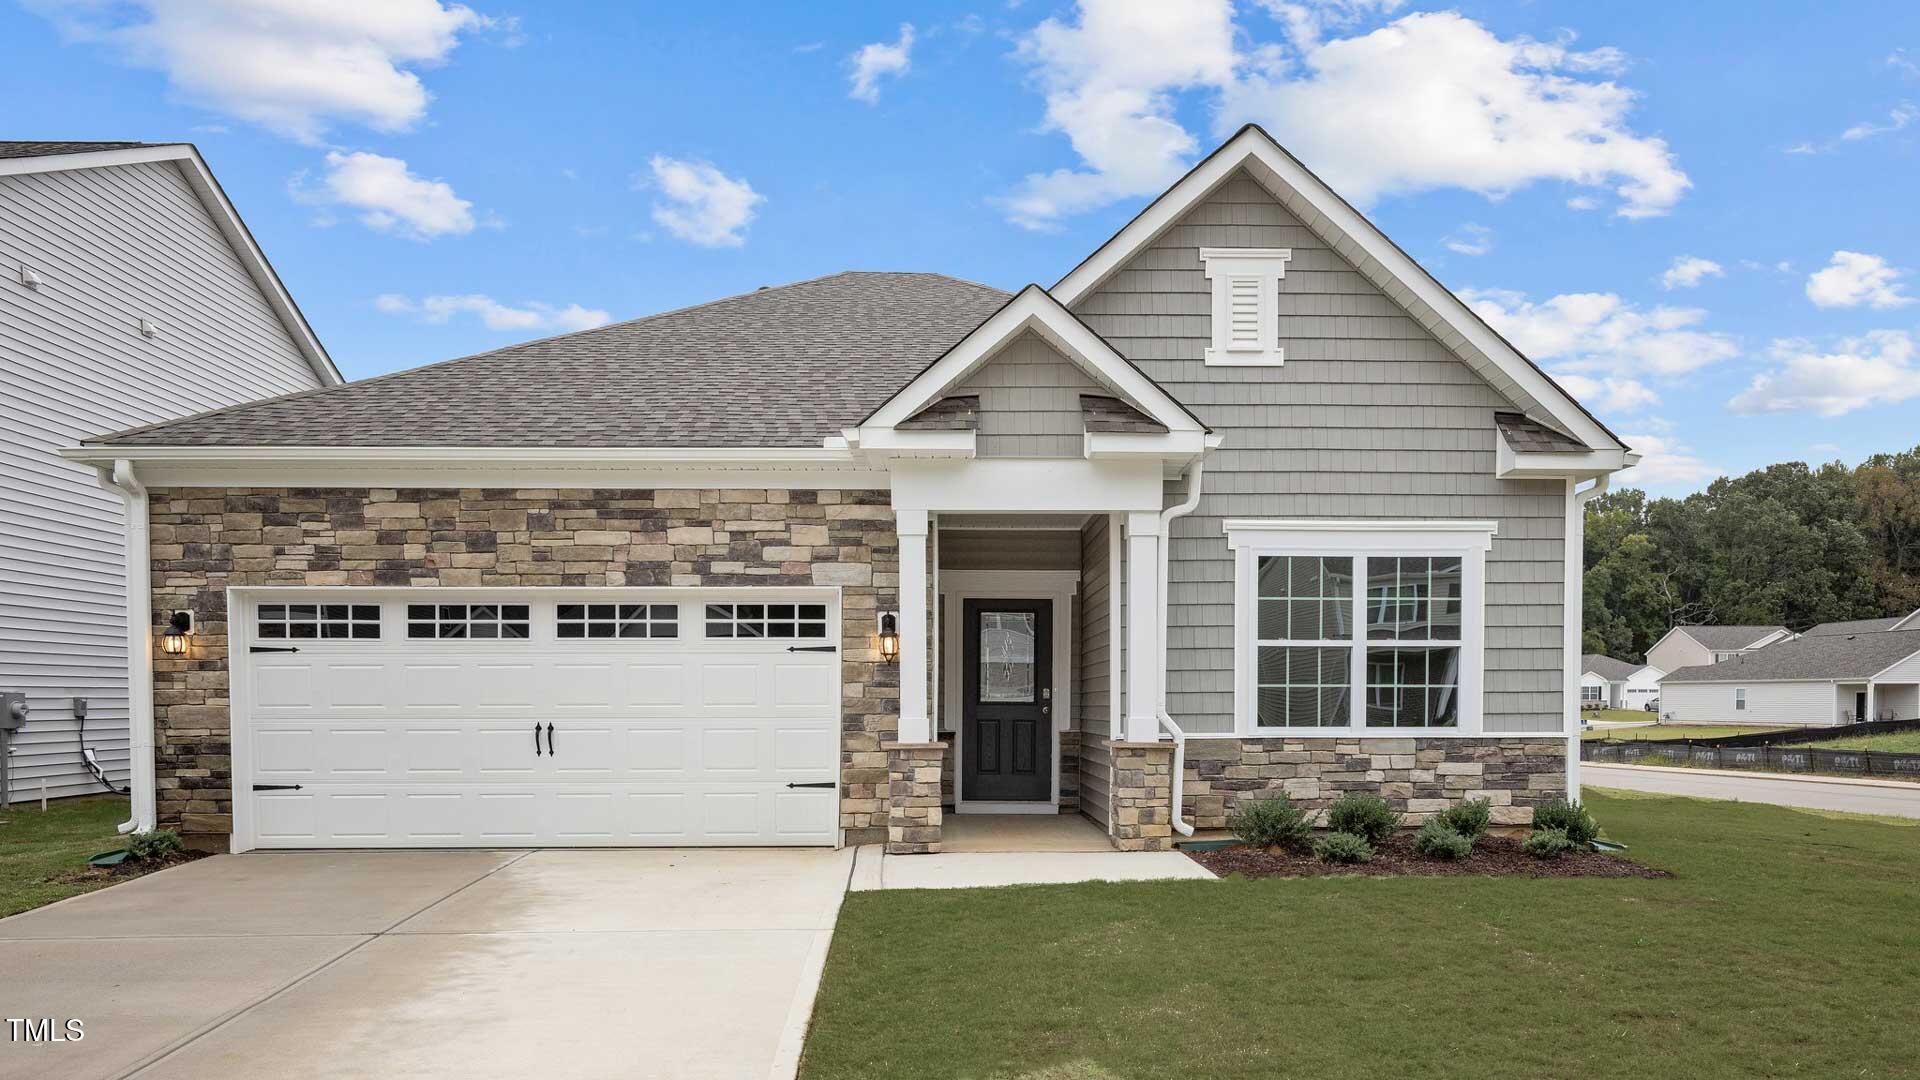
(457, 622)
(318, 622)
(757, 621)
(606, 621)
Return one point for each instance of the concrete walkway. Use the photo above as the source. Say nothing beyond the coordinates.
(872, 869)
(431, 964)
(1886, 797)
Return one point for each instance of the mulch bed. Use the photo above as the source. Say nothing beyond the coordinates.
(126, 871)
(1493, 856)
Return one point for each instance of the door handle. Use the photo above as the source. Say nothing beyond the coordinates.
(536, 738)
(549, 740)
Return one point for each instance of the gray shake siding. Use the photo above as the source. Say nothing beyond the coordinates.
(1092, 695)
(1029, 401)
(1370, 417)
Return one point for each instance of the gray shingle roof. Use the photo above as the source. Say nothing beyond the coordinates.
(780, 367)
(1828, 656)
(1529, 436)
(48, 149)
(1728, 637)
(1099, 413)
(958, 413)
(1606, 667)
(1855, 626)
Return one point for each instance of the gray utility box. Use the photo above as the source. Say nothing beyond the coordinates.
(13, 711)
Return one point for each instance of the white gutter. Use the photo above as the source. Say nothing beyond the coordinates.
(1180, 825)
(139, 645)
(1575, 599)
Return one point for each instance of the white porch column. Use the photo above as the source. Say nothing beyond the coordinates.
(1873, 707)
(911, 527)
(1143, 629)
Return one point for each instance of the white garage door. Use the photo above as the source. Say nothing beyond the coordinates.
(535, 717)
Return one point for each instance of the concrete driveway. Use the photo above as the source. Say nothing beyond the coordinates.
(431, 964)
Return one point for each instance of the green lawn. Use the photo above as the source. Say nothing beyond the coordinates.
(1787, 945)
(1897, 742)
(1620, 716)
(1675, 731)
(35, 847)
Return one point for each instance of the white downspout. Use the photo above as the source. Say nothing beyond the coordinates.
(139, 645)
(1180, 825)
(1575, 601)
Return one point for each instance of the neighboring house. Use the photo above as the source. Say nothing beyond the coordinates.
(731, 574)
(1606, 683)
(1910, 621)
(1815, 680)
(1691, 646)
(131, 293)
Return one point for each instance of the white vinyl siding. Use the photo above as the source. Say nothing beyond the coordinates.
(1371, 417)
(1907, 670)
(1779, 704)
(112, 246)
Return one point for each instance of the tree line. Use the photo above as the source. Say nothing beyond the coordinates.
(1788, 544)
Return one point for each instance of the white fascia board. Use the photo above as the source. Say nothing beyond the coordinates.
(1028, 486)
(1145, 444)
(1358, 535)
(1511, 464)
(892, 442)
(1033, 309)
(1352, 235)
(741, 457)
(221, 209)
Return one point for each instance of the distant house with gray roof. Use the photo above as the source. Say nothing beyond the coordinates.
(1606, 683)
(1909, 621)
(1813, 680)
(1691, 646)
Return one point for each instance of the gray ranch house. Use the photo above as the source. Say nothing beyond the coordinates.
(1245, 502)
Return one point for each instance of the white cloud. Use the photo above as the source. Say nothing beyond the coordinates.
(389, 196)
(1431, 100)
(879, 59)
(493, 314)
(1897, 119)
(1609, 394)
(1688, 271)
(290, 67)
(1899, 61)
(1878, 368)
(701, 204)
(1665, 461)
(1469, 240)
(1112, 96)
(1583, 202)
(1436, 100)
(1599, 333)
(1853, 279)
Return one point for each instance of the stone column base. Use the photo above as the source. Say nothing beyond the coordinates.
(913, 797)
(1142, 796)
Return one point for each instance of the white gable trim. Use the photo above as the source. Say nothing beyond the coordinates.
(1911, 622)
(1349, 232)
(187, 159)
(1033, 309)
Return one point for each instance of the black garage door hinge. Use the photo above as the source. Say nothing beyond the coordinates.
(272, 648)
(823, 783)
(276, 787)
(813, 648)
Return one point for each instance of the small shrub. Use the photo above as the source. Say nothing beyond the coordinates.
(1439, 840)
(1547, 843)
(1470, 818)
(1569, 817)
(1274, 822)
(1366, 816)
(1343, 847)
(153, 846)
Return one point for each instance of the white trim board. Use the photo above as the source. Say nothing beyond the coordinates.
(186, 157)
(1322, 210)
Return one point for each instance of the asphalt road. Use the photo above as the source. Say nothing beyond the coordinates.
(1853, 796)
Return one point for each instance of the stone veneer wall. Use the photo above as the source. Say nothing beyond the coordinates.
(204, 540)
(1418, 776)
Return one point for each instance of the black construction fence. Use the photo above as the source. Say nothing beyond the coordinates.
(1772, 751)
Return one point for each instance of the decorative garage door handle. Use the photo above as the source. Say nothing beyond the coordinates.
(271, 648)
(549, 740)
(276, 787)
(813, 648)
(536, 738)
(823, 783)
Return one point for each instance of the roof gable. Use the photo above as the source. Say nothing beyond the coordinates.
(1032, 310)
(1825, 658)
(1606, 667)
(1376, 257)
(21, 158)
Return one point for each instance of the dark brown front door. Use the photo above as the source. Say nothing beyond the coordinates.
(1007, 705)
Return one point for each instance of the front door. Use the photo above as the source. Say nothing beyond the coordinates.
(1007, 701)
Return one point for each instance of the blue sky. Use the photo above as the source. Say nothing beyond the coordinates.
(1701, 216)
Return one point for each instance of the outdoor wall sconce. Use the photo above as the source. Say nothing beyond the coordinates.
(173, 640)
(889, 636)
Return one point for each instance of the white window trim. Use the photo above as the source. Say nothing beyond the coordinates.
(1249, 539)
(1224, 266)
